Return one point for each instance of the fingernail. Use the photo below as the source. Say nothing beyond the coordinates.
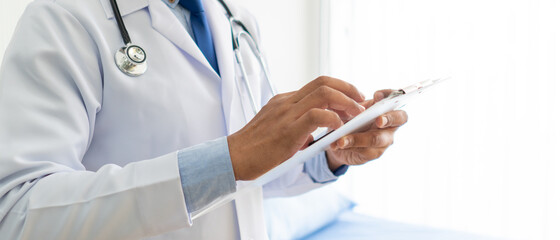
(362, 108)
(362, 95)
(384, 121)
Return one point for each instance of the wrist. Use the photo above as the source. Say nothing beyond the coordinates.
(246, 159)
(332, 161)
(235, 156)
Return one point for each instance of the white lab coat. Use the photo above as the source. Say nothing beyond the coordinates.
(87, 152)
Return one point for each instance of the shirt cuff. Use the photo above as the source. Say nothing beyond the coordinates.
(206, 173)
(319, 171)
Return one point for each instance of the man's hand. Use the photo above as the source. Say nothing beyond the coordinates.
(284, 125)
(359, 148)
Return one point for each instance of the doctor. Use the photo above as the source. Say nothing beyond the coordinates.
(90, 152)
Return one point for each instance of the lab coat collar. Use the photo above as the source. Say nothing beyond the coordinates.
(166, 23)
(125, 6)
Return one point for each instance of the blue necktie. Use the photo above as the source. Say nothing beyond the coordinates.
(201, 31)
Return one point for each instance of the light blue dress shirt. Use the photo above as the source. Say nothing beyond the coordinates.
(205, 169)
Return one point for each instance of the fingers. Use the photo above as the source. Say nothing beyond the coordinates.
(375, 137)
(381, 94)
(378, 136)
(325, 97)
(377, 96)
(369, 139)
(342, 86)
(367, 154)
(392, 119)
(368, 103)
(315, 118)
(345, 117)
(307, 142)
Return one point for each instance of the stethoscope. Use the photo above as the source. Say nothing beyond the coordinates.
(131, 59)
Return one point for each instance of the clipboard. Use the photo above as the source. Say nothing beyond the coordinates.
(394, 101)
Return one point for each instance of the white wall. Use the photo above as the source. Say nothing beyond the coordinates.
(289, 29)
(480, 152)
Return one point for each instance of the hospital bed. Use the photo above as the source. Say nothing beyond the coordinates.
(324, 214)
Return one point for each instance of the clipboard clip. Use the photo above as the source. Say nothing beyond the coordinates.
(420, 86)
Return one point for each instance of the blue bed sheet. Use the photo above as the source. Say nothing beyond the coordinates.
(353, 226)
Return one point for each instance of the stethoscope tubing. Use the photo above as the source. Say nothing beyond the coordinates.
(120, 23)
(135, 68)
(246, 81)
(254, 48)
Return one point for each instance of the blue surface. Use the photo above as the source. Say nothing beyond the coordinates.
(354, 226)
(299, 216)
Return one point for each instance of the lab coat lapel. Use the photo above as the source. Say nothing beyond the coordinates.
(249, 209)
(221, 32)
(165, 22)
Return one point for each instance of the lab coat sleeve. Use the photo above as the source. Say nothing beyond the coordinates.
(50, 91)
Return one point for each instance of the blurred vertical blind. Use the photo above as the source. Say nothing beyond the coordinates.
(480, 153)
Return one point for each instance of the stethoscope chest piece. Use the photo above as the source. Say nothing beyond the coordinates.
(131, 60)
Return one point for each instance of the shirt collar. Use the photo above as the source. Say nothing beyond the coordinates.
(171, 3)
